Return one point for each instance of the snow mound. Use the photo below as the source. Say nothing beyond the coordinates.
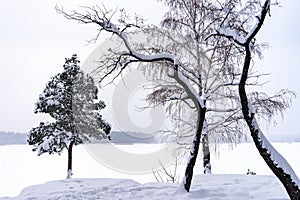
(205, 187)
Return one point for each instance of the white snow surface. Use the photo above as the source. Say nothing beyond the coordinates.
(205, 187)
(20, 168)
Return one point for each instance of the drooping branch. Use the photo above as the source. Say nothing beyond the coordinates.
(268, 106)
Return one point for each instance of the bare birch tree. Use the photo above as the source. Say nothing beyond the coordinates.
(209, 66)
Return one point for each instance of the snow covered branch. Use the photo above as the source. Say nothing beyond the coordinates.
(99, 17)
(231, 33)
(189, 89)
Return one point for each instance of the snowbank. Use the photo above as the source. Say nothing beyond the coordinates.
(205, 187)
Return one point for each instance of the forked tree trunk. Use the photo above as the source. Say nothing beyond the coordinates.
(194, 151)
(70, 148)
(206, 154)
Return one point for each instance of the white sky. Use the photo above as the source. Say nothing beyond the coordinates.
(34, 40)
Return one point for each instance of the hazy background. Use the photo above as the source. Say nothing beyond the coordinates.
(34, 40)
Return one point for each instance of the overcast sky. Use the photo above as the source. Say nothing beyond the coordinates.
(34, 40)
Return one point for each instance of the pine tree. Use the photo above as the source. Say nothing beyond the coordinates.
(69, 98)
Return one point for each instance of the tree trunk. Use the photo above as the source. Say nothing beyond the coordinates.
(285, 178)
(70, 148)
(194, 151)
(206, 154)
(273, 159)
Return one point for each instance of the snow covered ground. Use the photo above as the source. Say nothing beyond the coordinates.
(20, 167)
(209, 187)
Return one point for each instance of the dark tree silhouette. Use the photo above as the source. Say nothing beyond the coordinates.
(69, 98)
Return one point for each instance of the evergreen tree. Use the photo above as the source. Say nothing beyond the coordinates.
(69, 98)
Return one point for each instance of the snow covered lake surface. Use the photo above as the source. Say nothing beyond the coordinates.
(20, 168)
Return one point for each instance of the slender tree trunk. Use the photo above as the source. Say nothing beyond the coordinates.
(194, 151)
(70, 148)
(272, 158)
(206, 154)
(279, 166)
(285, 178)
